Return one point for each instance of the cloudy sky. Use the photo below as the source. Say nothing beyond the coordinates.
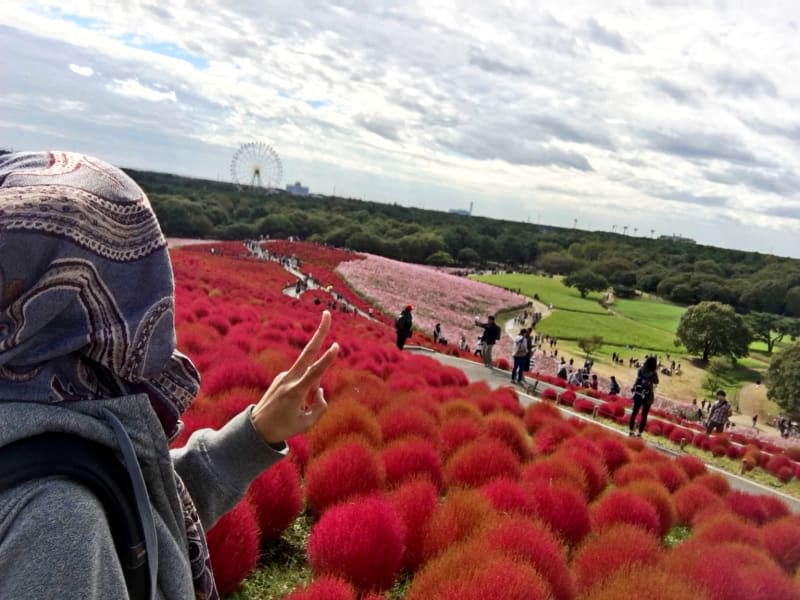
(678, 117)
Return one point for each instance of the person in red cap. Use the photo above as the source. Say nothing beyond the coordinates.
(403, 326)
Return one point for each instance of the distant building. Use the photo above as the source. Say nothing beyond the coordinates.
(677, 238)
(461, 211)
(297, 189)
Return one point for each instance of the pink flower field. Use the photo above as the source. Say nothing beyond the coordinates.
(437, 297)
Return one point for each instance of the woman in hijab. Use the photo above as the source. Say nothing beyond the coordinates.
(87, 350)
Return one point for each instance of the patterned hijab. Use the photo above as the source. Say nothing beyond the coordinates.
(87, 299)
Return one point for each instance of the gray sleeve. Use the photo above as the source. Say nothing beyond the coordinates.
(218, 466)
(54, 537)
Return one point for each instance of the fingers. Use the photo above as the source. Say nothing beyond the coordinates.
(313, 375)
(312, 347)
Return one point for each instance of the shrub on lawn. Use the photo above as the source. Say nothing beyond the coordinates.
(342, 419)
(299, 451)
(634, 472)
(414, 502)
(550, 435)
(508, 496)
(241, 372)
(461, 516)
(347, 470)
(360, 541)
(591, 465)
(471, 573)
(692, 498)
(233, 545)
(727, 527)
(563, 509)
(412, 457)
(756, 508)
(691, 465)
(539, 413)
(659, 497)
(623, 506)
(605, 551)
(402, 421)
(457, 431)
(480, 461)
(645, 581)
(277, 498)
(509, 430)
(714, 482)
(325, 588)
(553, 470)
(567, 397)
(782, 540)
(671, 476)
(614, 453)
(524, 539)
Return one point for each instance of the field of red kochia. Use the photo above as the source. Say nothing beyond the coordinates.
(414, 472)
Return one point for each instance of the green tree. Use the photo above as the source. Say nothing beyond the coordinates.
(783, 379)
(792, 301)
(440, 258)
(558, 263)
(468, 256)
(713, 329)
(770, 329)
(590, 344)
(765, 296)
(513, 249)
(586, 281)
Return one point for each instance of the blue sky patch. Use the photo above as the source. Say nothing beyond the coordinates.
(166, 49)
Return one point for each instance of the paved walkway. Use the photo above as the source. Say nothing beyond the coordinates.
(497, 378)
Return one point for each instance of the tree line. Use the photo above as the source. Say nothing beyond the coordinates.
(676, 271)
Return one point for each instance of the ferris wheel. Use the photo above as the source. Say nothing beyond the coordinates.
(256, 164)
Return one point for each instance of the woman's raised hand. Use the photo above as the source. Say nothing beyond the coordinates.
(294, 401)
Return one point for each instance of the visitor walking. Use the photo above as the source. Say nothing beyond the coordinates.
(519, 350)
(491, 333)
(719, 413)
(403, 326)
(613, 386)
(643, 393)
(437, 332)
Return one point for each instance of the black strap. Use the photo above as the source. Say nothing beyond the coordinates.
(94, 466)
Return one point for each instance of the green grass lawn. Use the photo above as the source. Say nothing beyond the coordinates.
(614, 330)
(550, 291)
(651, 311)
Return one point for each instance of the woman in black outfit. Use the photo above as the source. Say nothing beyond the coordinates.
(643, 393)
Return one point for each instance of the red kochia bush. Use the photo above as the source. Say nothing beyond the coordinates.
(325, 588)
(605, 551)
(522, 538)
(349, 469)
(634, 472)
(242, 372)
(412, 457)
(277, 498)
(647, 582)
(691, 465)
(508, 496)
(361, 541)
(470, 572)
(731, 571)
(456, 431)
(550, 394)
(614, 453)
(403, 421)
(758, 509)
(591, 465)
(562, 508)
(550, 435)
(539, 413)
(344, 418)
(659, 497)
(782, 540)
(462, 514)
(692, 498)
(414, 502)
(509, 430)
(556, 469)
(480, 461)
(727, 527)
(299, 451)
(714, 482)
(623, 506)
(233, 545)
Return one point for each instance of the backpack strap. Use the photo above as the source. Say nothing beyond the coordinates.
(93, 465)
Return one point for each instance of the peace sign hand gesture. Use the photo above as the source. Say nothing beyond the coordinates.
(294, 400)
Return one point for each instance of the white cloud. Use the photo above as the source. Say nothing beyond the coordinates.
(134, 89)
(82, 71)
(684, 110)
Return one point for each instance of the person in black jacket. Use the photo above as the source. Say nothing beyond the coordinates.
(491, 333)
(644, 393)
(403, 326)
